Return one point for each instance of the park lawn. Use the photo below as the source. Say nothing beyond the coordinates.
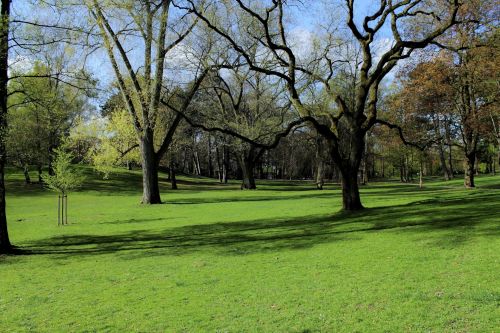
(278, 259)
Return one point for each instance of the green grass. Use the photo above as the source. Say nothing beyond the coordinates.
(278, 259)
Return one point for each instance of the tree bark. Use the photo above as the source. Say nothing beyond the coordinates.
(320, 175)
(470, 160)
(364, 174)
(5, 245)
(173, 180)
(151, 188)
(347, 154)
(351, 200)
(247, 168)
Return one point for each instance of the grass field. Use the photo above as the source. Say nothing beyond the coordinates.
(278, 259)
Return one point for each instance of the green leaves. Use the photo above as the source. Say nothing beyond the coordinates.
(66, 177)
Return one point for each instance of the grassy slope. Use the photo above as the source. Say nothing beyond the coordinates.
(279, 259)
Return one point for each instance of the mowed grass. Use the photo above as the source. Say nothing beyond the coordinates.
(278, 259)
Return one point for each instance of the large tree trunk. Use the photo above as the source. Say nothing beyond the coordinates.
(470, 160)
(5, 246)
(350, 191)
(347, 154)
(150, 186)
(247, 168)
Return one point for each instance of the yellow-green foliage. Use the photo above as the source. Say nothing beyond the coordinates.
(117, 144)
(65, 178)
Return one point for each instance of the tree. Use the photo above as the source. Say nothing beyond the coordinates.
(65, 178)
(5, 245)
(157, 29)
(426, 100)
(41, 111)
(247, 104)
(348, 123)
(116, 144)
(24, 42)
(473, 52)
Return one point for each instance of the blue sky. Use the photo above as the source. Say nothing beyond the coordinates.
(99, 64)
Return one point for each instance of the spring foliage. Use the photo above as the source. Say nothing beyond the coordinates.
(66, 177)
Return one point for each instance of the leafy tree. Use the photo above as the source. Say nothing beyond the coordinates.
(41, 111)
(246, 103)
(142, 82)
(66, 177)
(116, 144)
(348, 124)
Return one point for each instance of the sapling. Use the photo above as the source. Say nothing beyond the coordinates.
(65, 179)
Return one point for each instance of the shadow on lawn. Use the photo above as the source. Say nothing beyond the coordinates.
(454, 222)
(209, 200)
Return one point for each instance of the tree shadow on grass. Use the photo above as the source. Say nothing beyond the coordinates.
(219, 200)
(444, 223)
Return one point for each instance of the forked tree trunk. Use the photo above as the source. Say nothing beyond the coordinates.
(150, 186)
(470, 160)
